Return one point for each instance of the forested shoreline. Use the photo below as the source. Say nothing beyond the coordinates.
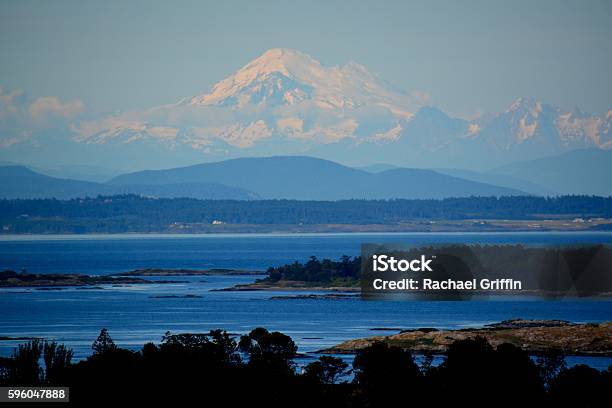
(131, 213)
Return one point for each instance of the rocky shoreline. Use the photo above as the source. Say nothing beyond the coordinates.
(188, 272)
(311, 296)
(533, 336)
(289, 286)
(10, 278)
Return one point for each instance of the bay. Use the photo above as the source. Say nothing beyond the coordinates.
(135, 314)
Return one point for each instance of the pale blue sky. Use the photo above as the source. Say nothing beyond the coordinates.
(470, 56)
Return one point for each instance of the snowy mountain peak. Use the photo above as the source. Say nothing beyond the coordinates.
(286, 102)
(283, 76)
(280, 76)
(283, 60)
(522, 118)
(528, 119)
(525, 105)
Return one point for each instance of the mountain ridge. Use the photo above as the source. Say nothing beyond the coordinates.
(23, 182)
(308, 178)
(285, 177)
(286, 102)
(568, 172)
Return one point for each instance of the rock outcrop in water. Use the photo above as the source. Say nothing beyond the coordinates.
(533, 336)
(50, 281)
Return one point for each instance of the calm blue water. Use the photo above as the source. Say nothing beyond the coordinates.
(75, 316)
(96, 255)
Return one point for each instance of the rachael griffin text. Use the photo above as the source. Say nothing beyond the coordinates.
(450, 271)
(386, 263)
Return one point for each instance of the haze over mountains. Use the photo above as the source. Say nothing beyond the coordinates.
(583, 171)
(575, 172)
(287, 103)
(300, 178)
(307, 178)
(21, 182)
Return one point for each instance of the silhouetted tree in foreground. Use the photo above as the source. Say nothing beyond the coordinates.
(549, 364)
(326, 370)
(26, 369)
(384, 372)
(23, 367)
(259, 370)
(473, 367)
(582, 386)
(104, 343)
(57, 359)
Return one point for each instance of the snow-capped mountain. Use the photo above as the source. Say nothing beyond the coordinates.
(528, 118)
(289, 77)
(286, 102)
(283, 93)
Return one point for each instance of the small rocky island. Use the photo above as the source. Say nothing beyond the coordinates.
(188, 272)
(533, 336)
(290, 285)
(9, 278)
(315, 274)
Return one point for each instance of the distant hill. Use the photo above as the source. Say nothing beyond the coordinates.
(501, 180)
(22, 182)
(97, 174)
(586, 171)
(307, 178)
(82, 172)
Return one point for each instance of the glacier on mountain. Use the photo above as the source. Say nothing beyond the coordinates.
(286, 102)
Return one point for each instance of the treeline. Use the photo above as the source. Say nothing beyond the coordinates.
(344, 272)
(131, 213)
(259, 369)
